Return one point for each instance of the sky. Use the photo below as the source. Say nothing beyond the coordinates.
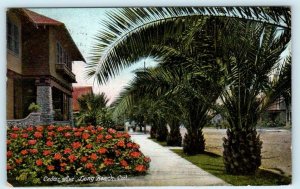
(83, 25)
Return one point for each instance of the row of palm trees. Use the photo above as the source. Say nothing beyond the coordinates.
(208, 57)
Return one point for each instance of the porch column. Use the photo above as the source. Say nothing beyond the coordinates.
(44, 99)
(71, 117)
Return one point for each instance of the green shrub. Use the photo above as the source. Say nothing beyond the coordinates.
(33, 107)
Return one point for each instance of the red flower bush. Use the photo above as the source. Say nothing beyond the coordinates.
(61, 151)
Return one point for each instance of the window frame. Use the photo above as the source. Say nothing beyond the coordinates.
(12, 37)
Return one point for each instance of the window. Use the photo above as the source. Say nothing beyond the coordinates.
(62, 57)
(13, 39)
(59, 53)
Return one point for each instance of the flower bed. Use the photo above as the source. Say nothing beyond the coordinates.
(63, 151)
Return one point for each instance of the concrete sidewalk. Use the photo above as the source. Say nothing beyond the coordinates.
(166, 169)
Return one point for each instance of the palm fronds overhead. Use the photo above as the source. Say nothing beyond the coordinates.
(129, 33)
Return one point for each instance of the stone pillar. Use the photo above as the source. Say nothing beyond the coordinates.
(71, 117)
(44, 99)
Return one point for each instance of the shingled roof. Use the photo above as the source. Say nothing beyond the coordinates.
(41, 19)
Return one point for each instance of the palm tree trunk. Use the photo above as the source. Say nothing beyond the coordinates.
(242, 151)
(174, 137)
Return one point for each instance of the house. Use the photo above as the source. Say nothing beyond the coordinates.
(78, 92)
(40, 52)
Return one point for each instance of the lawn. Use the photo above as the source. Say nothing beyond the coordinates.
(213, 164)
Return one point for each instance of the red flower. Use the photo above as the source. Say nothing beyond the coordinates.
(85, 136)
(39, 128)
(62, 169)
(38, 135)
(24, 152)
(63, 164)
(119, 135)
(39, 162)
(46, 152)
(89, 165)
(140, 168)
(15, 129)
(31, 142)
(135, 154)
(93, 171)
(89, 146)
(8, 142)
(100, 136)
(33, 151)
(67, 134)
(108, 137)
(29, 128)
(57, 156)
(123, 163)
(100, 128)
(9, 167)
(111, 131)
(126, 135)
(121, 143)
(50, 127)
(136, 146)
(77, 134)
(19, 161)
(72, 158)
(9, 154)
(147, 159)
(67, 151)
(51, 133)
(129, 144)
(76, 145)
(60, 129)
(13, 135)
(108, 161)
(50, 167)
(24, 135)
(83, 159)
(91, 127)
(102, 150)
(94, 156)
(118, 153)
(49, 143)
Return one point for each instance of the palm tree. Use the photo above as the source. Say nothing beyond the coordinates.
(129, 33)
(248, 62)
(92, 107)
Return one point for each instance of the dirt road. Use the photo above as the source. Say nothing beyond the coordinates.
(276, 148)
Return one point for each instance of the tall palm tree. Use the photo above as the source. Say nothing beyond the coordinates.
(248, 62)
(129, 33)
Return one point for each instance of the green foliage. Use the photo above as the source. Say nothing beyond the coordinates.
(94, 110)
(213, 164)
(202, 59)
(33, 107)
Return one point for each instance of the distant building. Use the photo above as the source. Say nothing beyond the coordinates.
(40, 52)
(77, 93)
